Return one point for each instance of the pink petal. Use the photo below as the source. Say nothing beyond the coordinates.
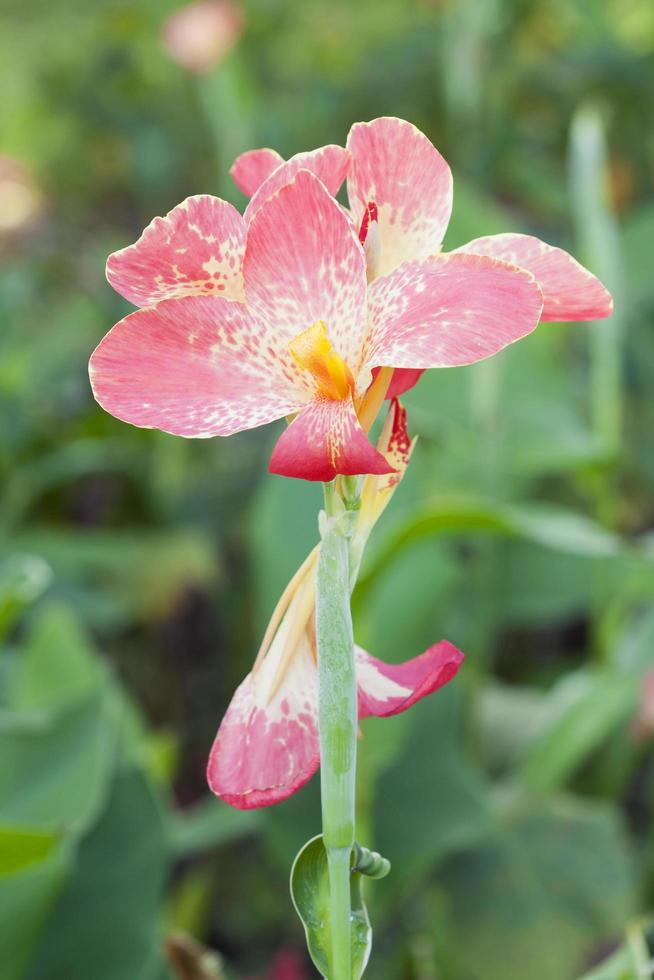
(323, 441)
(250, 169)
(449, 310)
(403, 380)
(388, 689)
(198, 366)
(197, 248)
(268, 745)
(395, 166)
(304, 263)
(329, 163)
(570, 292)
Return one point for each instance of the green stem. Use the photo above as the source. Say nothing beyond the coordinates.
(338, 721)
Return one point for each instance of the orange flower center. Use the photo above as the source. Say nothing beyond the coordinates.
(313, 351)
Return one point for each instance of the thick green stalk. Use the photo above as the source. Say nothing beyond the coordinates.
(338, 721)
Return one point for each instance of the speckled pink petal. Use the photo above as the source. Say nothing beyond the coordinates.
(387, 689)
(323, 441)
(268, 744)
(395, 166)
(450, 310)
(304, 263)
(329, 163)
(198, 366)
(569, 290)
(197, 249)
(250, 169)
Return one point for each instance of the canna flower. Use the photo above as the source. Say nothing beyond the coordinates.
(198, 36)
(251, 319)
(400, 193)
(268, 744)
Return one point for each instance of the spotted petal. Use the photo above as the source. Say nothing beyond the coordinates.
(325, 440)
(199, 366)
(396, 166)
(450, 310)
(196, 249)
(268, 744)
(388, 689)
(570, 291)
(329, 163)
(304, 263)
(250, 169)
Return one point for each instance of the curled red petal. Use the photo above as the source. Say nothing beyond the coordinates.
(326, 440)
(387, 689)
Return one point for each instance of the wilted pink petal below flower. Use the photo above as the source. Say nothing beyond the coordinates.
(199, 35)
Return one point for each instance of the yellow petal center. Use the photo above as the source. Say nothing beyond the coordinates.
(313, 351)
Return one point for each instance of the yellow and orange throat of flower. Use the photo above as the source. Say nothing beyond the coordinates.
(313, 351)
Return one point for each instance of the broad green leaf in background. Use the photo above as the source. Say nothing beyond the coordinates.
(552, 881)
(26, 900)
(581, 712)
(105, 924)
(20, 848)
(23, 578)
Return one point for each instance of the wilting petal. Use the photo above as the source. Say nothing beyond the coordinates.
(323, 441)
(199, 366)
(268, 744)
(450, 310)
(329, 163)
(197, 248)
(250, 169)
(570, 292)
(304, 263)
(395, 166)
(387, 689)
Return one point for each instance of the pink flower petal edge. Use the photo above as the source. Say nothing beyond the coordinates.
(323, 441)
(328, 163)
(449, 310)
(197, 248)
(395, 166)
(199, 366)
(250, 169)
(570, 291)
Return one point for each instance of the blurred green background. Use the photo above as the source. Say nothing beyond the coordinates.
(138, 570)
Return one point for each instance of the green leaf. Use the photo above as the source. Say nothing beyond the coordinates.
(57, 774)
(58, 666)
(26, 899)
(20, 848)
(584, 708)
(310, 894)
(105, 923)
(23, 578)
(544, 889)
(210, 824)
